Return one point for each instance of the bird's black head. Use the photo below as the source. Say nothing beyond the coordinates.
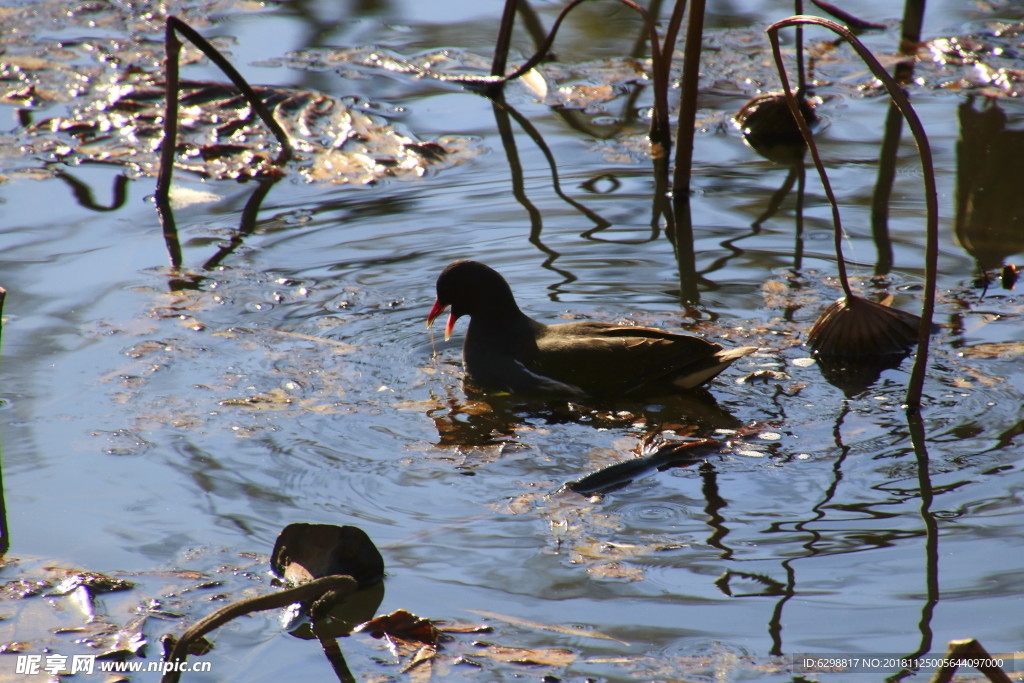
(472, 289)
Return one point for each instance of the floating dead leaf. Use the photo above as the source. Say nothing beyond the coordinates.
(148, 348)
(180, 574)
(116, 113)
(471, 407)
(276, 397)
(180, 302)
(556, 628)
(975, 375)
(585, 84)
(522, 504)
(338, 346)
(304, 552)
(191, 323)
(994, 350)
(604, 559)
(449, 627)
(534, 80)
(13, 647)
(582, 95)
(790, 292)
(520, 655)
(402, 625)
(775, 294)
(421, 662)
(120, 643)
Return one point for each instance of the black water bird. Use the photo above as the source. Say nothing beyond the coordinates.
(505, 350)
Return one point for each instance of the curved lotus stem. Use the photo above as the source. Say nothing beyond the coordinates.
(902, 102)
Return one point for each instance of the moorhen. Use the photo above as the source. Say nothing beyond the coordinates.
(506, 350)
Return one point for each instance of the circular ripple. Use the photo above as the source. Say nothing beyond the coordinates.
(654, 516)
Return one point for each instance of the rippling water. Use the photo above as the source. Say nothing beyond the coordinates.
(149, 429)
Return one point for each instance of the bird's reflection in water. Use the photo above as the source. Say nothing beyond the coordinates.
(493, 419)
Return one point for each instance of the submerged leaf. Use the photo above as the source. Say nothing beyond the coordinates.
(615, 570)
(994, 350)
(557, 628)
(521, 655)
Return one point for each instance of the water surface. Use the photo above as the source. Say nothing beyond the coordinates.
(151, 428)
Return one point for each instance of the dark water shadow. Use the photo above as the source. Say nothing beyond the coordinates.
(504, 114)
(989, 221)
(820, 543)
(931, 545)
(811, 545)
(246, 227)
(246, 224)
(83, 193)
(853, 375)
(713, 505)
(680, 231)
(903, 73)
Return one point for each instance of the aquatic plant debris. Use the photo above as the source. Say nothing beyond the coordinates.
(112, 93)
(402, 625)
(337, 141)
(112, 628)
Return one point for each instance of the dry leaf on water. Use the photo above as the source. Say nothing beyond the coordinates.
(402, 625)
(557, 628)
(520, 655)
(994, 350)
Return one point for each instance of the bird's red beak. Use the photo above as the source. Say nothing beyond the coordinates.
(437, 310)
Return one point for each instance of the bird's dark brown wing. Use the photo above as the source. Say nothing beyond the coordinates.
(605, 359)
